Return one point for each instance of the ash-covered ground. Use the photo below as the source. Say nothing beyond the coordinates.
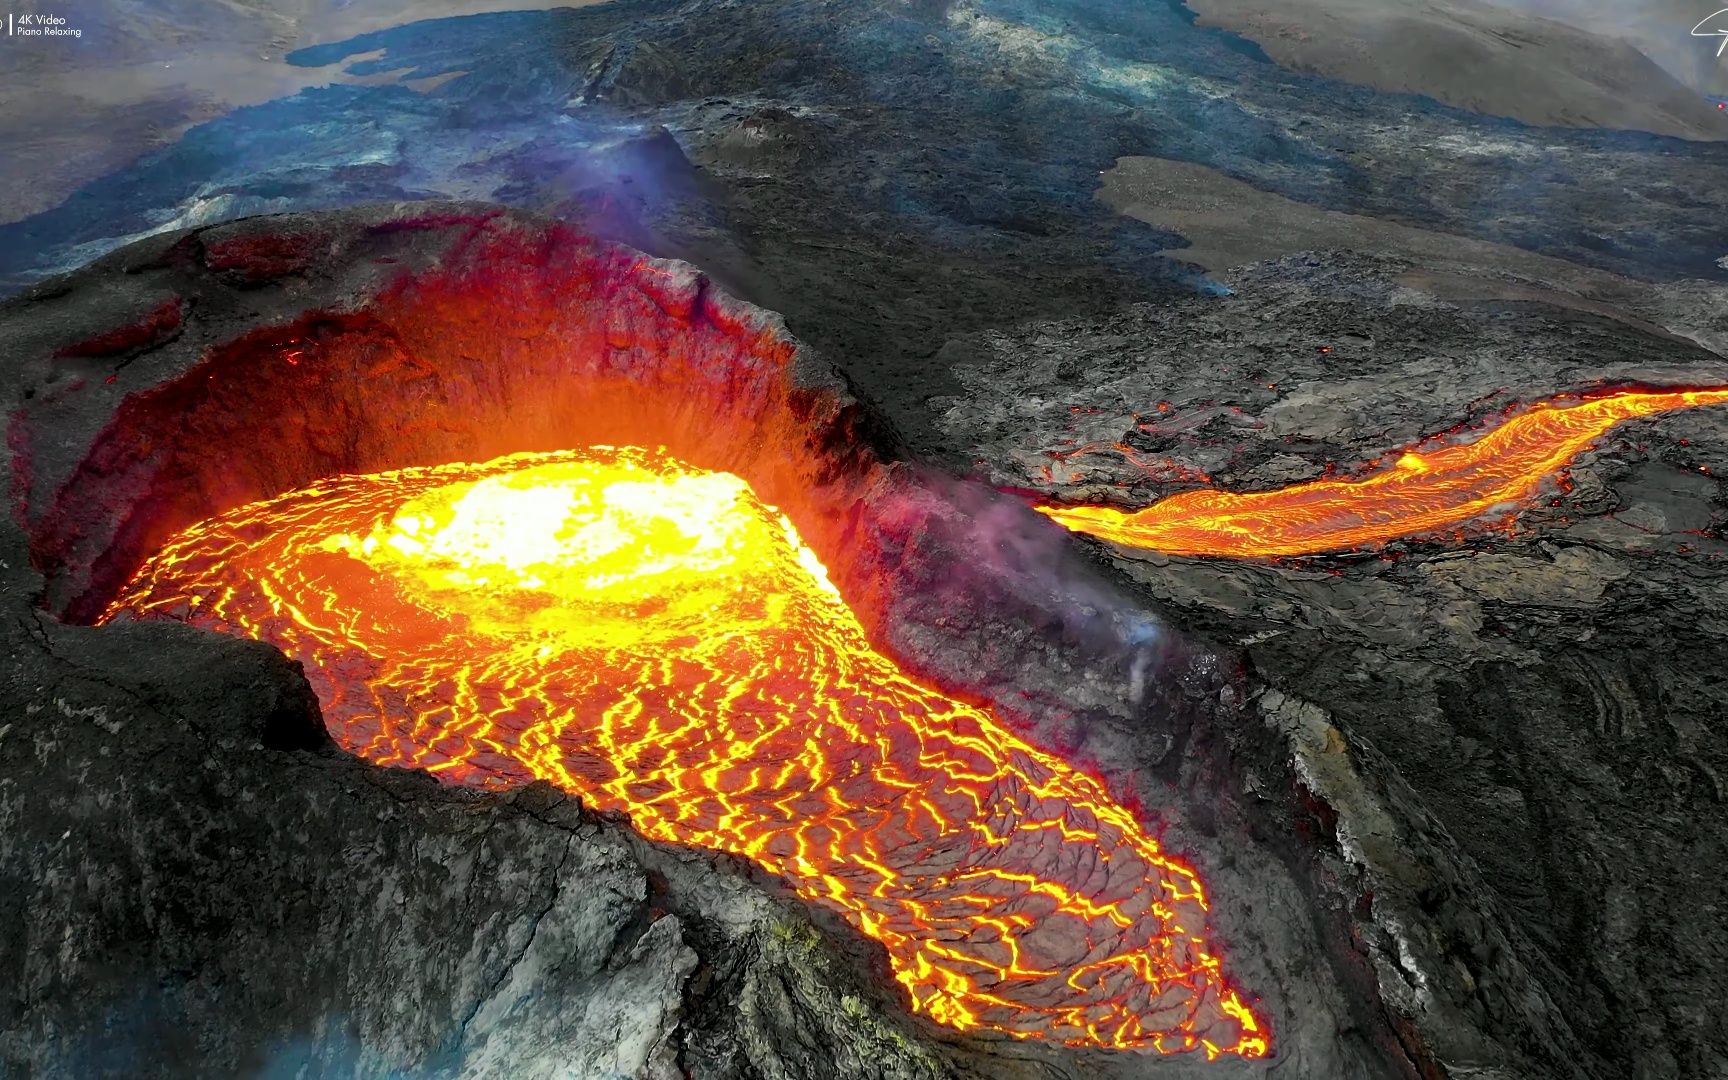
(982, 213)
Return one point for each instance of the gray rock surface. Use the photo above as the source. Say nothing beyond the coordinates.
(252, 905)
(1550, 696)
(193, 881)
(201, 870)
(1457, 801)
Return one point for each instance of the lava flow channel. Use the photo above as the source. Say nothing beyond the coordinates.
(1422, 491)
(658, 641)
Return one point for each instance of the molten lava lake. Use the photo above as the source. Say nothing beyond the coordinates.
(656, 639)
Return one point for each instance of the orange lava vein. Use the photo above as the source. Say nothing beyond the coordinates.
(658, 641)
(1422, 491)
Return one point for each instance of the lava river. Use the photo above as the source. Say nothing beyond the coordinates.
(1423, 490)
(657, 640)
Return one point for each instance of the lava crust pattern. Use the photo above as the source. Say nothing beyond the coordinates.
(1424, 490)
(655, 639)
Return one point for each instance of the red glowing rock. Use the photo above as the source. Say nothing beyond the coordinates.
(158, 325)
(493, 335)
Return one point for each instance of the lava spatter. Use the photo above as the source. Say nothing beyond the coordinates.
(655, 639)
(1425, 489)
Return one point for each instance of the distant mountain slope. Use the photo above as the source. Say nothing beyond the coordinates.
(1482, 57)
(1661, 29)
(143, 71)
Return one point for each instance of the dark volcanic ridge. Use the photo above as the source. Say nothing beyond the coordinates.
(205, 866)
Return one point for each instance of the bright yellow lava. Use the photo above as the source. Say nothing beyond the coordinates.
(1423, 491)
(655, 639)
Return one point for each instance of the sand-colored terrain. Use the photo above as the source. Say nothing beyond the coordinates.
(1230, 224)
(140, 74)
(144, 71)
(1660, 29)
(1488, 58)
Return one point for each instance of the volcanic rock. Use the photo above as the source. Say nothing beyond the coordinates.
(1345, 907)
(1547, 692)
(195, 881)
(1469, 831)
(246, 897)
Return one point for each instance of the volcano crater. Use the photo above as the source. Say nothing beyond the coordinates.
(196, 373)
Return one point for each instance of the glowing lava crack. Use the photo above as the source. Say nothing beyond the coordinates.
(657, 640)
(1424, 490)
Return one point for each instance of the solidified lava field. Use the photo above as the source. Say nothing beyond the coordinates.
(994, 539)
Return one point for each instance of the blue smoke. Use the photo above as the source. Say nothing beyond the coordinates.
(978, 127)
